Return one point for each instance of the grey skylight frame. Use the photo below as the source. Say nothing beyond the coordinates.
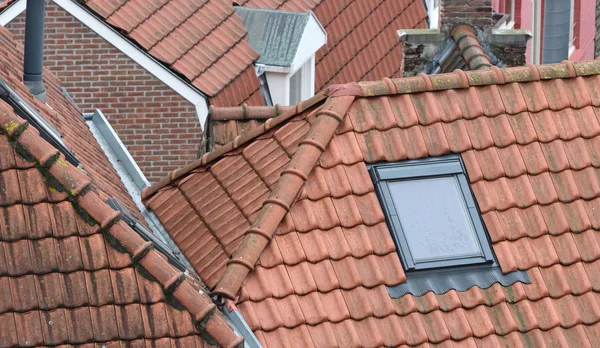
(444, 166)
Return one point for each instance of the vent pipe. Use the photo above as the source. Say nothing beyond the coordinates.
(34, 48)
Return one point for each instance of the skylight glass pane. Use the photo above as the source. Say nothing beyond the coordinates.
(435, 219)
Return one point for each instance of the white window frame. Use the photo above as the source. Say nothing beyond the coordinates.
(536, 23)
(572, 25)
(510, 23)
(307, 82)
(433, 12)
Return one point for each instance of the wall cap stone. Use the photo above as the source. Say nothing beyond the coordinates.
(509, 37)
(421, 36)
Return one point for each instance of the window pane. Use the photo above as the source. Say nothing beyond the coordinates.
(434, 218)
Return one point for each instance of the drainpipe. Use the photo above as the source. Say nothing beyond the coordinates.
(557, 20)
(34, 48)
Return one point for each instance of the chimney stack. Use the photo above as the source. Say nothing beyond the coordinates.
(34, 48)
(477, 13)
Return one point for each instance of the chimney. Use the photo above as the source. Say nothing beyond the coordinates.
(433, 51)
(477, 13)
(34, 48)
(509, 45)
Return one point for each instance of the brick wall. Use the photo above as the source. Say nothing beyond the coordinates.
(475, 12)
(159, 127)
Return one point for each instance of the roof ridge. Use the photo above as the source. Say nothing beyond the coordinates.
(238, 141)
(392, 86)
(62, 176)
(283, 195)
(470, 47)
(245, 112)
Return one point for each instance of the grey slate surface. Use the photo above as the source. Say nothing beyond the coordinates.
(275, 35)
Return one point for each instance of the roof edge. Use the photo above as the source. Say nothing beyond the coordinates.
(238, 141)
(64, 177)
(421, 83)
(284, 193)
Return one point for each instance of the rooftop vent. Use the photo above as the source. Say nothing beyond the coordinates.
(34, 48)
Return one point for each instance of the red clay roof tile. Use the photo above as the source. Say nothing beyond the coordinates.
(530, 200)
(181, 32)
(68, 247)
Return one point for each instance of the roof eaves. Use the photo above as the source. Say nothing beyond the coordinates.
(283, 195)
(64, 177)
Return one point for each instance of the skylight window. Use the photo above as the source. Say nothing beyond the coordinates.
(432, 213)
(436, 226)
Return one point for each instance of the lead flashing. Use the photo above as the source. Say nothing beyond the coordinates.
(240, 325)
(118, 148)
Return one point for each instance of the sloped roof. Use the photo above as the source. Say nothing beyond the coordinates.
(285, 218)
(206, 41)
(70, 271)
(66, 119)
(461, 50)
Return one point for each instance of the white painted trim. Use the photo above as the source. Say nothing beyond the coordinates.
(313, 38)
(142, 58)
(119, 149)
(13, 10)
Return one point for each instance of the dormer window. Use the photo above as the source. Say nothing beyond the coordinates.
(287, 43)
(436, 225)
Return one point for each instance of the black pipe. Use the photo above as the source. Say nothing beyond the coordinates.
(34, 48)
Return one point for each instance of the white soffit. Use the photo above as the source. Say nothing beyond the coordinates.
(13, 10)
(142, 58)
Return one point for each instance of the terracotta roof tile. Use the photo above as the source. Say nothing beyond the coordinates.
(56, 267)
(211, 33)
(537, 196)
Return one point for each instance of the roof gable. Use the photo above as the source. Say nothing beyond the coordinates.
(529, 137)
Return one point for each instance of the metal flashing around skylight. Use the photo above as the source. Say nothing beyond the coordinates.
(442, 281)
(27, 112)
(437, 227)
